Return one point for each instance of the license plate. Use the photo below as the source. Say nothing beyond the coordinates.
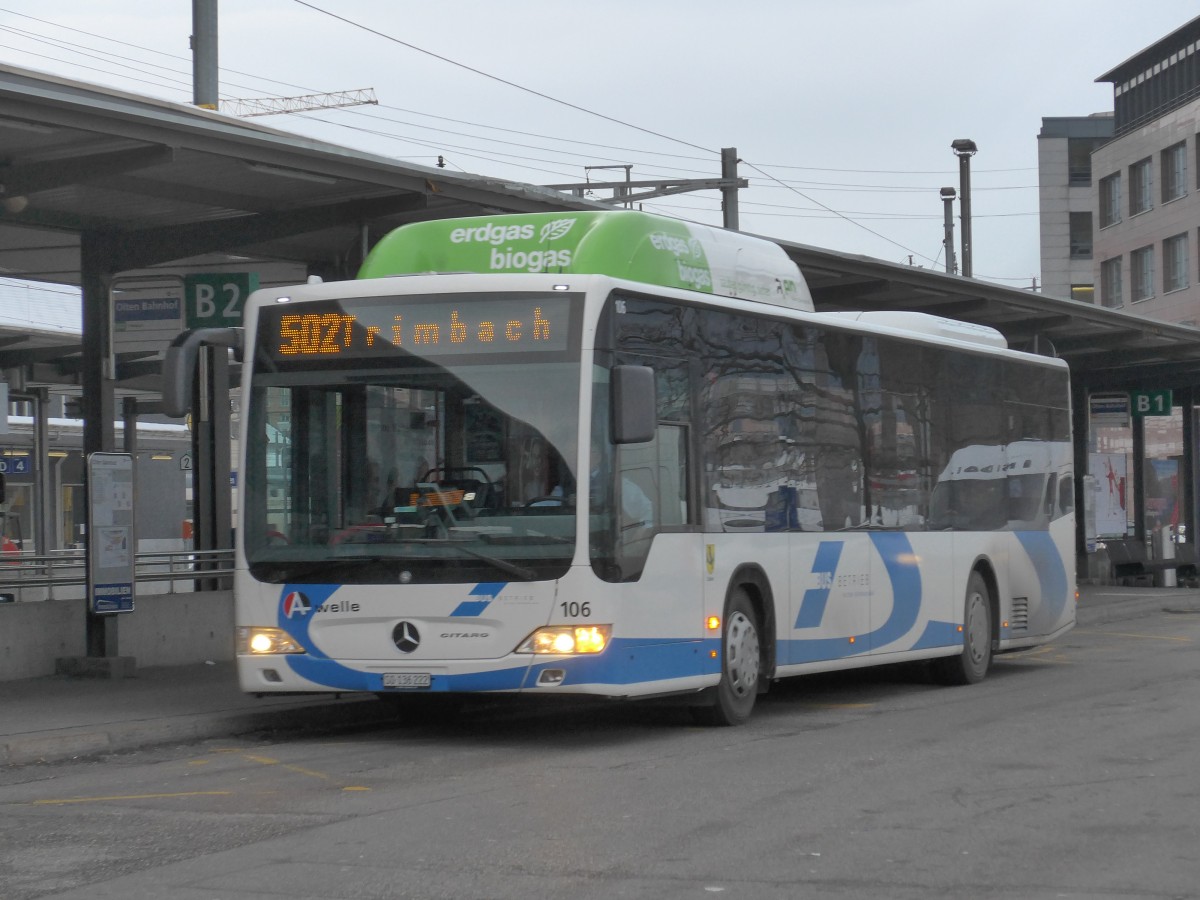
(407, 680)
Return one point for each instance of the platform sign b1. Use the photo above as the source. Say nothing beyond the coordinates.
(110, 532)
(1151, 403)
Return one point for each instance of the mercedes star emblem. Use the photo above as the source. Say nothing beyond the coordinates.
(407, 637)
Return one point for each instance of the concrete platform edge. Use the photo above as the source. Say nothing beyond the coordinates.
(90, 741)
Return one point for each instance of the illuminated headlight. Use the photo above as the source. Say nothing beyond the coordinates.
(567, 639)
(256, 641)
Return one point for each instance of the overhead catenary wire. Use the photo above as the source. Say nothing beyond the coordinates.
(640, 151)
(497, 78)
(501, 128)
(585, 110)
(568, 158)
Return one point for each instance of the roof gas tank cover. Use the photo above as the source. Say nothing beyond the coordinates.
(624, 244)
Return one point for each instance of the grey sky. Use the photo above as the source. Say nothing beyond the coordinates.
(851, 103)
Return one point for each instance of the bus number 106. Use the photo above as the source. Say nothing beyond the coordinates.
(576, 610)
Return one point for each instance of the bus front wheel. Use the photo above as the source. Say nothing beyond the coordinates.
(970, 666)
(741, 665)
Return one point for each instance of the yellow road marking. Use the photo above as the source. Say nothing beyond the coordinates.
(299, 770)
(309, 772)
(1058, 660)
(131, 797)
(272, 761)
(1035, 655)
(1178, 639)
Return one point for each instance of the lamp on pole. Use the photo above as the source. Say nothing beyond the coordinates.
(948, 207)
(205, 73)
(964, 149)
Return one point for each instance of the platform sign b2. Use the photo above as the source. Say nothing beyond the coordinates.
(216, 300)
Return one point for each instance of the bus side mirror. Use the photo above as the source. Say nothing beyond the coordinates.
(2, 496)
(634, 406)
(179, 364)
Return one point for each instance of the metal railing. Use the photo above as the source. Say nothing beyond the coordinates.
(62, 574)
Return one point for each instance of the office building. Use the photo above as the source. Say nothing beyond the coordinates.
(1145, 184)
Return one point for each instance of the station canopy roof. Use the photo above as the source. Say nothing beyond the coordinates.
(166, 184)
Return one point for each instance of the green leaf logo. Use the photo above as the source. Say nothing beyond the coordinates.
(552, 231)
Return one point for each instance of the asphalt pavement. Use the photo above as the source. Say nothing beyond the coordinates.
(59, 718)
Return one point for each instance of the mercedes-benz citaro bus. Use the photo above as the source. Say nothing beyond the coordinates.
(614, 454)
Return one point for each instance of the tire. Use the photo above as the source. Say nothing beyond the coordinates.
(979, 630)
(741, 665)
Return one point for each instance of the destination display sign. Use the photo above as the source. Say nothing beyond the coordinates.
(459, 325)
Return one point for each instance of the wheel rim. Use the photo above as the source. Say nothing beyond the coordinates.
(741, 655)
(978, 636)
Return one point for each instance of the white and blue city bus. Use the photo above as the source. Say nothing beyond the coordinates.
(613, 454)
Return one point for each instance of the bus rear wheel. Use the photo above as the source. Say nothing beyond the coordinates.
(741, 665)
(970, 666)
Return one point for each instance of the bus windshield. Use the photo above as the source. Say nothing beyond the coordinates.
(409, 464)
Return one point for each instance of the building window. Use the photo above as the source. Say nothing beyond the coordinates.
(1175, 263)
(1110, 283)
(1081, 235)
(1141, 274)
(1079, 160)
(1174, 172)
(1110, 200)
(1084, 293)
(1139, 187)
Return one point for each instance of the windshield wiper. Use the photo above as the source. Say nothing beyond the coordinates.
(520, 540)
(325, 570)
(510, 567)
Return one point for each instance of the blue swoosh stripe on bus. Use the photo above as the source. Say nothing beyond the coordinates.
(297, 625)
(315, 665)
(939, 634)
(331, 674)
(900, 563)
(825, 563)
(633, 660)
(814, 649)
(626, 661)
(1052, 575)
(489, 589)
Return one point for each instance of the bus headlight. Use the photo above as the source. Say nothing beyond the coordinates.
(255, 640)
(565, 640)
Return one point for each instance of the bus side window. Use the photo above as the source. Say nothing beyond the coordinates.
(1051, 495)
(653, 489)
(671, 475)
(653, 481)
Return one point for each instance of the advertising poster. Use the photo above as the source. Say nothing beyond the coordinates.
(1112, 516)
